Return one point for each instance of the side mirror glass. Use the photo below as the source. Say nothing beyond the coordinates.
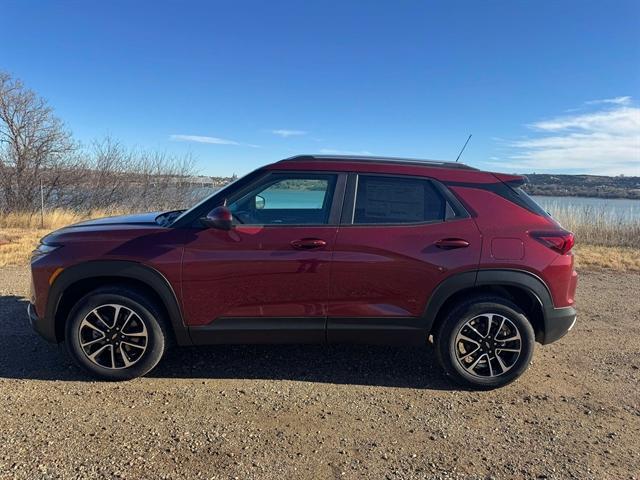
(260, 202)
(220, 218)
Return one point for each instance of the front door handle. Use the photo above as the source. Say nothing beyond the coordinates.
(308, 243)
(451, 243)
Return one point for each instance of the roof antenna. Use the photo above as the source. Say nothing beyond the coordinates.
(463, 147)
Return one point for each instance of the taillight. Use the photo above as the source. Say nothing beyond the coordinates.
(561, 241)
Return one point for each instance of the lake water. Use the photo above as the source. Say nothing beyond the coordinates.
(620, 209)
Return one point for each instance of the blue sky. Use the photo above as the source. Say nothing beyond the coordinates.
(542, 86)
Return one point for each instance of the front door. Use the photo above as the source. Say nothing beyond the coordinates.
(267, 279)
(400, 238)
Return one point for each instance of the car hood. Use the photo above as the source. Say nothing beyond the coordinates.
(121, 226)
(134, 219)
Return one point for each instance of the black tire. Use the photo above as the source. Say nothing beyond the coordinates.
(148, 319)
(448, 346)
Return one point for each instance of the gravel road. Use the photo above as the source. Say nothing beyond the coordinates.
(287, 412)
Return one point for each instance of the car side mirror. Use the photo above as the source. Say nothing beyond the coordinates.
(220, 218)
(260, 202)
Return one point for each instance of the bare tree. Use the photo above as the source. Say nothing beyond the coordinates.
(34, 147)
(121, 178)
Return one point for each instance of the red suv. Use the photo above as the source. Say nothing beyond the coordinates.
(318, 249)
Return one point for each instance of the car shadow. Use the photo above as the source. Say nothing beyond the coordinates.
(24, 355)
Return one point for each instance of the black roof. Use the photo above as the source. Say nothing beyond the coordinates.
(374, 159)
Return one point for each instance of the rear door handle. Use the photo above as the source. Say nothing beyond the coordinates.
(308, 243)
(451, 243)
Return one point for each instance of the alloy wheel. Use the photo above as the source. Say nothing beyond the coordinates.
(488, 345)
(113, 336)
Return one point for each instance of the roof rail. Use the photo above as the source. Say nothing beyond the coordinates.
(374, 159)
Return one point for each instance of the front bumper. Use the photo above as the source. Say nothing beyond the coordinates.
(558, 322)
(44, 328)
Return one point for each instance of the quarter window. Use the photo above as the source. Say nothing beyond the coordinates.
(381, 200)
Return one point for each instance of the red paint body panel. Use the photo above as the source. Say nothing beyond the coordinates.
(497, 217)
(255, 272)
(387, 271)
(507, 248)
(158, 248)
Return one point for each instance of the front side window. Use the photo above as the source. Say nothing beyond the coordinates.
(282, 199)
(381, 200)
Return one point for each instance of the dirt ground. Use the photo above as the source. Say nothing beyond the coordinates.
(287, 412)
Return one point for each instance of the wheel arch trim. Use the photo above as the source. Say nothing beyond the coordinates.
(130, 270)
(523, 279)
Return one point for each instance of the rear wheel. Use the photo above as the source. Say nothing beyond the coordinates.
(116, 334)
(485, 342)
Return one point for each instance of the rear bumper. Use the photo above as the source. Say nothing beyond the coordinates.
(44, 328)
(557, 322)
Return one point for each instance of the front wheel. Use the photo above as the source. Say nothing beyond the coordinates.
(485, 343)
(115, 334)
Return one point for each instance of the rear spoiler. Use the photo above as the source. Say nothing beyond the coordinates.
(513, 181)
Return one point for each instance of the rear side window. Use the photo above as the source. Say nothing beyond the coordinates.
(382, 200)
(510, 191)
(513, 192)
(527, 202)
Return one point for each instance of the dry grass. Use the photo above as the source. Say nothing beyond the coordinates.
(623, 259)
(19, 235)
(16, 245)
(20, 232)
(52, 219)
(597, 226)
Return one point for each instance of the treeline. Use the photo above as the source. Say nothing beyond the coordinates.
(583, 186)
(41, 163)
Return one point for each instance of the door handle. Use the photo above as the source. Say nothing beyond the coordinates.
(308, 243)
(451, 243)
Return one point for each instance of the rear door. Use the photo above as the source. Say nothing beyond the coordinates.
(399, 237)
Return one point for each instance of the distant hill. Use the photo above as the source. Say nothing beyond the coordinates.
(583, 186)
